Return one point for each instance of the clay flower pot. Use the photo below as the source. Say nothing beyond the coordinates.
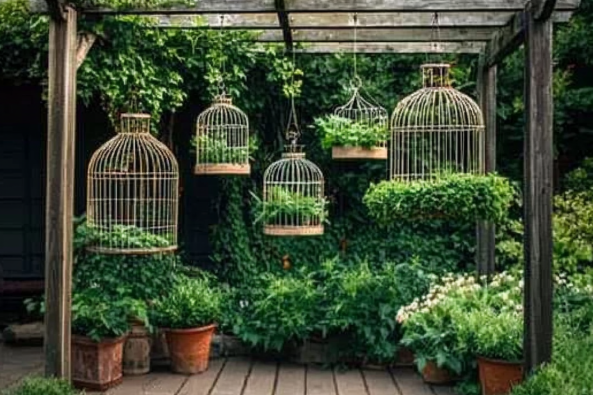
(498, 377)
(190, 348)
(432, 374)
(404, 357)
(97, 366)
(136, 359)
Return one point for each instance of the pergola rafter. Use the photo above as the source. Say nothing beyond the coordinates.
(492, 28)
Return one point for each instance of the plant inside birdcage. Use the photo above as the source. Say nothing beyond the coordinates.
(130, 235)
(217, 149)
(454, 196)
(292, 207)
(338, 131)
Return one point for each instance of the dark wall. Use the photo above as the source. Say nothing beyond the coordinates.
(23, 124)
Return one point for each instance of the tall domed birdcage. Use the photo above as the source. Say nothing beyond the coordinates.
(362, 120)
(222, 139)
(437, 129)
(132, 192)
(294, 203)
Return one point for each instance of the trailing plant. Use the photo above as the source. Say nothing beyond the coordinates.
(463, 197)
(41, 386)
(291, 206)
(337, 131)
(98, 317)
(191, 303)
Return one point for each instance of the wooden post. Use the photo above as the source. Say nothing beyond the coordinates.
(60, 192)
(486, 231)
(538, 156)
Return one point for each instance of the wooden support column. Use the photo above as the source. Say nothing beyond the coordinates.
(60, 191)
(538, 156)
(486, 231)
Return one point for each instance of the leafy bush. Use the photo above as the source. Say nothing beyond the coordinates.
(130, 236)
(343, 132)
(191, 303)
(96, 317)
(463, 197)
(286, 206)
(41, 386)
(216, 149)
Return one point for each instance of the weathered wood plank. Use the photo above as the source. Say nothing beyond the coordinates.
(410, 382)
(380, 382)
(320, 381)
(350, 382)
(160, 383)
(465, 47)
(262, 379)
(441, 390)
(59, 208)
(538, 154)
(233, 377)
(543, 8)
(291, 380)
(284, 24)
(201, 384)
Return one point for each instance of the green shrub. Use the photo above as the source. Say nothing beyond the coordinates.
(41, 386)
(343, 132)
(191, 303)
(215, 149)
(286, 206)
(97, 317)
(463, 197)
(573, 231)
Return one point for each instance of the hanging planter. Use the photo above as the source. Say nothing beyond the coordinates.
(132, 192)
(436, 130)
(222, 140)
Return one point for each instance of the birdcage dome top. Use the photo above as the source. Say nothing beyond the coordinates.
(222, 112)
(293, 167)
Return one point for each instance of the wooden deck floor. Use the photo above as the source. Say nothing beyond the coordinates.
(241, 376)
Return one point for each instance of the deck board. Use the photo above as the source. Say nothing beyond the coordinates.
(441, 390)
(151, 384)
(409, 382)
(350, 382)
(380, 382)
(262, 379)
(291, 380)
(201, 384)
(320, 381)
(233, 377)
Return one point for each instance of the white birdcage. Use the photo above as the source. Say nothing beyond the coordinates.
(222, 139)
(436, 130)
(132, 192)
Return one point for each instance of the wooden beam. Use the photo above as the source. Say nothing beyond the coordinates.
(60, 192)
(85, 43)
(464, 47)
(543, 8)
(486, 231)
(384, 35)
(471, 7)
(538, 156)
(284, 24)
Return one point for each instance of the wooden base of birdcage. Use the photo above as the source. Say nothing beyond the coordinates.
(349, 153)
(278, 230)
(131, 251)
(222, 169)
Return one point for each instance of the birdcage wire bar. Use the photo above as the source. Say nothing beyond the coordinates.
(297, 184)
(132, 192)
(222, 139)
(436, 130)
(362, 111)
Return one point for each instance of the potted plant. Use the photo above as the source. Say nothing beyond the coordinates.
(217, 156)
(349, 139)
(188, 315)
(136, 356)
(99, 328)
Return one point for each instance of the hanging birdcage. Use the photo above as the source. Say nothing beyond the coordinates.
(222, 139)
(436, 130)
(132, 192)
(365, 124)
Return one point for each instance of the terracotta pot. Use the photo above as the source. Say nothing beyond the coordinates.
(97, 366)
(498, 377)
(404, 357)
(432, 374)
(136, 359)
(190, 348)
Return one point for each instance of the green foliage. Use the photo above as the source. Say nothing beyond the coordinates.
(285, 206)
(191, 303)
(343, 132)
(581, 178)
(127, 235)
(216, 149)
(457, 196)
(122, 5)
(41, 386)
(573, 231)
(98, 317)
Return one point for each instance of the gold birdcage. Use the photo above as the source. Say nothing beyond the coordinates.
(132, 192)
(222, 139)
(436, 130)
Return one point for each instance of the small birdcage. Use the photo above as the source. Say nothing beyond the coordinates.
(222, 139)
(436, 130)
(132, 192)
(366, 119)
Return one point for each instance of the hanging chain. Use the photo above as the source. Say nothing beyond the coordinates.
(292, 130)
(221, 85)
(436, 33)
(355, 77)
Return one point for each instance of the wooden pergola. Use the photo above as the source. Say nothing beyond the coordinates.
(491, 29)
